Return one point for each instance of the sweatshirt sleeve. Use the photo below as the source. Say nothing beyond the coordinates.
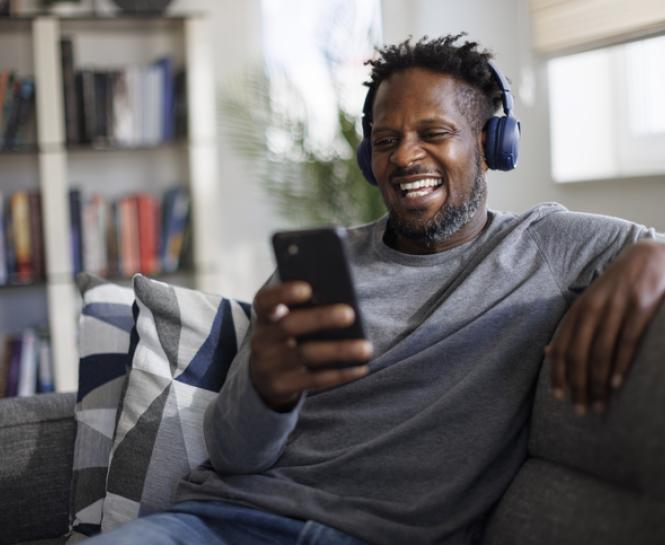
(579, 246)
(242, 434)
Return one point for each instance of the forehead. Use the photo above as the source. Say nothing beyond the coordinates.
(417, 92)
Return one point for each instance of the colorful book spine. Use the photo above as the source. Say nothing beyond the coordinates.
(20, 211)
(27, 380)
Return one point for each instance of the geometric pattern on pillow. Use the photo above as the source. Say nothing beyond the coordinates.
(186, 341)
(105, 326)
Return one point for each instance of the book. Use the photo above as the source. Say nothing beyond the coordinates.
(45, 383)
(4, 277)
(72, 125)
(148, 223)
(27, 379)
(165, 66)
(5, 359)
(20, 214)
(94, 219)
(130, 257)
(4, 85)
(175, 214)
(36, 235)
(14, 368)
(19, 116)
(76, 239)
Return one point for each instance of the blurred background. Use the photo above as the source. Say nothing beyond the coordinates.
(600, 115)
(173, 138)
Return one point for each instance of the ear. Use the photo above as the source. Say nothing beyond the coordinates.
(481, 143)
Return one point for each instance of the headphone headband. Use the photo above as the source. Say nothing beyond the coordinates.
(506, 94)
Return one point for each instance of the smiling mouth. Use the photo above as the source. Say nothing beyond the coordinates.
(420, 188)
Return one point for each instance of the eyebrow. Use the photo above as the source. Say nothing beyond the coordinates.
(426, 121)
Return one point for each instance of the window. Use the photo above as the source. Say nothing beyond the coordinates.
(314, 55)
(607, 112)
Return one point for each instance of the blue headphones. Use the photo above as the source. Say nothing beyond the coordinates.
(502, 133)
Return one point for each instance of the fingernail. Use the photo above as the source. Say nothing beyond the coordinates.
(301, 290)
(599, 407)
(365, 350)
(557, 393)
(580, 409)
(617, 381)
(344, 313)
(279, 312)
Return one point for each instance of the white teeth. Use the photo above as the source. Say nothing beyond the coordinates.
(416, 194)
(427, 182)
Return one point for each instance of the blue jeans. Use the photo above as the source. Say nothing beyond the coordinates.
(221, 523)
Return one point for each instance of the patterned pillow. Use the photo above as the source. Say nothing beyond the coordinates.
(186, 341)
(104, 343)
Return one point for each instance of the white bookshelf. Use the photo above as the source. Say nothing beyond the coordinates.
(108, 41)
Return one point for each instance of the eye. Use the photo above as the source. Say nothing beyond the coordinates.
(384, 141)
(435, 134)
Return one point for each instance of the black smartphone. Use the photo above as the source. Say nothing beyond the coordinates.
(319, 257)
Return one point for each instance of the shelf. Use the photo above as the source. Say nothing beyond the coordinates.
(92, 148)
(20, 150)
(37, 284)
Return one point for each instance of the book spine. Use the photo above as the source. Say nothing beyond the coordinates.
(37, 235)
(45, 382)
(175, 224)
(20, 207)
(14, 367)
(69, 91)
(129, 243)
(4, 277)
(27, 382)
(5, 360)
(147, 219)
(75, 230)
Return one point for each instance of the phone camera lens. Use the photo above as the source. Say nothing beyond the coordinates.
(292, 249)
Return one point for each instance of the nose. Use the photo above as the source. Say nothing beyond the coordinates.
(407, 152)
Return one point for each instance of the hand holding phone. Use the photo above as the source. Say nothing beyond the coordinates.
(318, 257)
(318, 343)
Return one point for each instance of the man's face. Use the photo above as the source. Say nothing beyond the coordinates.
(426, 159)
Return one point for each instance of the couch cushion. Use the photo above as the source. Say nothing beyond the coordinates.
(105, 325)
(36, 449)
(186, 341)
(594, 479)
(626, 446)
(548, 504)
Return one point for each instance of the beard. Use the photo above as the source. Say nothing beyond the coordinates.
(449, 218)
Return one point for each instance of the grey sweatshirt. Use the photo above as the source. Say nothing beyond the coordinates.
(420, 449)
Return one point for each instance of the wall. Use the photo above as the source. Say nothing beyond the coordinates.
(247, 219)
(503, 28)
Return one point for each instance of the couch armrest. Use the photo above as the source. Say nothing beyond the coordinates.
(36, 451)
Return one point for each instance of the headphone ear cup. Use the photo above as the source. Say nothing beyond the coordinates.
(502, 135)
(364, 158)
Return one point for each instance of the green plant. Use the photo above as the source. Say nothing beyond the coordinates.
(309, 186)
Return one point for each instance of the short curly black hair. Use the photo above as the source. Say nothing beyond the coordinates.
(464, 61)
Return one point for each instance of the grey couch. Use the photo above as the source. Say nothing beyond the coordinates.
(587, 480)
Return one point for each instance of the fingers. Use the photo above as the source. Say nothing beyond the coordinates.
(596, 346)
(315, 354)
(629, 339)
(271, 302)
(280, 367)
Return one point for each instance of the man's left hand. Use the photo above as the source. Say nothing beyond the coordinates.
(601, 330)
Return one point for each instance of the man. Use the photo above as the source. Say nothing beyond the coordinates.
(458, 302)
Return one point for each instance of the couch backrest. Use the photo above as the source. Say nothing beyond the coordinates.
(594, 479)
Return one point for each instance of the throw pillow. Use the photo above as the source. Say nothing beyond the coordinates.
(186, 341)
(105, 324)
